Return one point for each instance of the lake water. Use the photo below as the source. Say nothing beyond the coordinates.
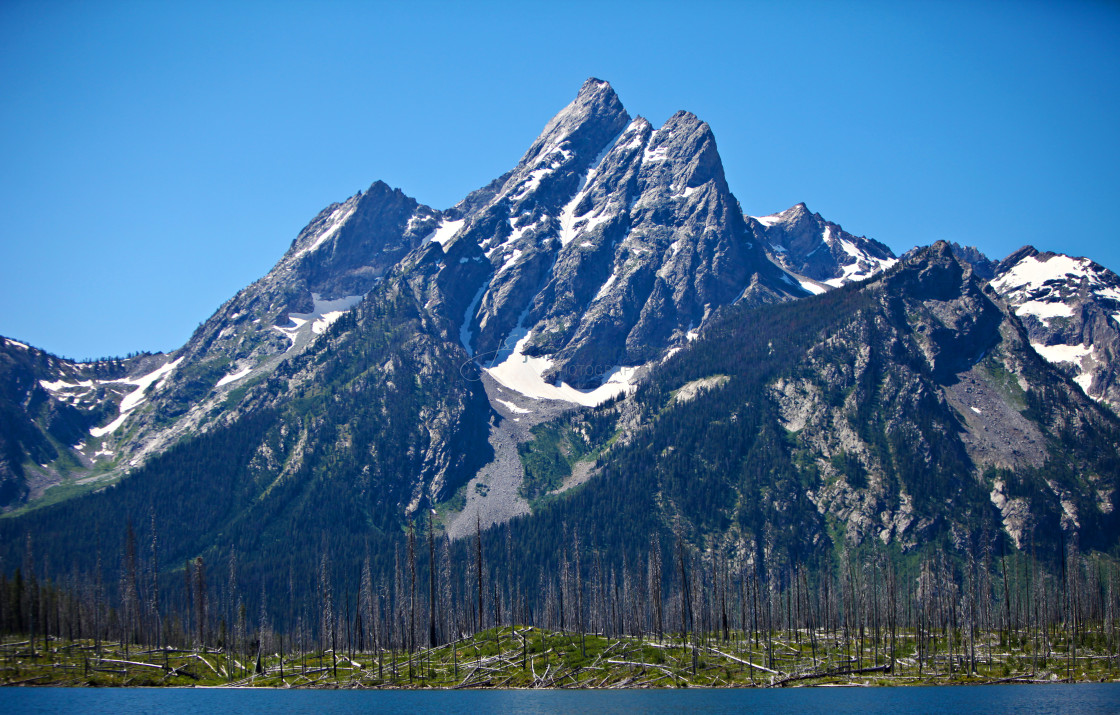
(948, 700)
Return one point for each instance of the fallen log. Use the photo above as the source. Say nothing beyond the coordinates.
(27, 680)
(834, 673)
(744, 662)
(208, 664)
(641, 665)
(131, 662)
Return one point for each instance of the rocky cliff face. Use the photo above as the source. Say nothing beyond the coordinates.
(1069, 306)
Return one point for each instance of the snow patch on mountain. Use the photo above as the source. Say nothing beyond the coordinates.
(768, 220)
(568, 219)
(109, 428)
(1032, 273)
(60, 385)
(322, 315)
(446, 231)
(863, 266)
(234, 376)
(780, 217)
(510, 259)
(605, 289)
(514, 236)
(531, 182)
(812, 286)
(465, 335)
(1044, 311)
(512, 407)
(1063, 353)
(135, 398)
(525, 374)
(1084, 381)
(75, 392)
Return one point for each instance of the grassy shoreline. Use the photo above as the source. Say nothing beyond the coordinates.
(512, 657)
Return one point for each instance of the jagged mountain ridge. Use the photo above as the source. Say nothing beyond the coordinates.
(337, 259)
(48, 405)
(610, 242)
(1070, 307)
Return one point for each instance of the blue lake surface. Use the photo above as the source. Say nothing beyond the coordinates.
(947, 700)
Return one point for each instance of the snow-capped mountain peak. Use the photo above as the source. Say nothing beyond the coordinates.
(609, 241)
(1071, 309)
(1051, 276)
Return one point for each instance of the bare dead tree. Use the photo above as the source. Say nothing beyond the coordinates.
(153, 588)
(432, 570)
(200, 599)
(478, 565)
(655, 586)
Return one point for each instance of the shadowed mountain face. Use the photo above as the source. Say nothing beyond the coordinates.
(397, 353)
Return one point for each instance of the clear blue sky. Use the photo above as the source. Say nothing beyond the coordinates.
(155, 157)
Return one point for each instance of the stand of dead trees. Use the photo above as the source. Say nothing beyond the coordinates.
(860, 611)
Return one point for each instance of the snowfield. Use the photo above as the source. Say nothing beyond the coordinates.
(322, 315)
(524, 374)
(135, 398)
(1045, 311)
(446, 231)
(334, 224)
(1031, 273)
(234, 377)
(1063, 353)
